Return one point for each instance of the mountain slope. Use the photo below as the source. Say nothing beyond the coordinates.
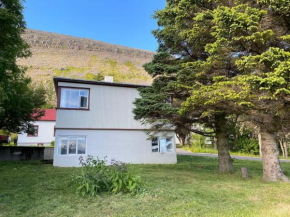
(67, 56)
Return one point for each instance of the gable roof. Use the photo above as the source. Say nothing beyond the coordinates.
(56, 80)
(49, 115)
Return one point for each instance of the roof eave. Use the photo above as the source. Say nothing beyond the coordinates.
(56, 80)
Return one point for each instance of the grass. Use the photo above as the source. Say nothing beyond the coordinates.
(190, 188)
(213, 151)
(200, 150)
(67, 70)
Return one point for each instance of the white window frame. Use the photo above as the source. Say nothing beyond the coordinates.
(158, 141)
(67, 150)
(76, 89)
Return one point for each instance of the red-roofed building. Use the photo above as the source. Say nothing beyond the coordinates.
(49, 115)
(44, 131)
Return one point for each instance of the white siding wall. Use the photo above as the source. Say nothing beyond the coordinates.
(110, 107)
(45, 134)
(124, 145)
(103, 125)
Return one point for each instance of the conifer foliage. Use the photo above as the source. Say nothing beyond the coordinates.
(221, 58)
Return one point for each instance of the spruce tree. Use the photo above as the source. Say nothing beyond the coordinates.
(185, 30)
(223, 58)
(253, 39)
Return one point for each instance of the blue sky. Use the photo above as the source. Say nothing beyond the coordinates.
(123, 22)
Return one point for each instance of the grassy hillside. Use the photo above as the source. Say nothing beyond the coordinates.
(67, 56)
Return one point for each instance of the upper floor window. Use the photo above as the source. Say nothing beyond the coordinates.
(74, 98)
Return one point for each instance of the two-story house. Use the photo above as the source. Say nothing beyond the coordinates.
(95, 118)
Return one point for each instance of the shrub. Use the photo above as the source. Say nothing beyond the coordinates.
(197, 140)
(122, 179)
(52, 143)
(97, 77)
(96, 177)
(247, 145)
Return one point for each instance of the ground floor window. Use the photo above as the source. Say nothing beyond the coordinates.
(72, 145)
(162, 144)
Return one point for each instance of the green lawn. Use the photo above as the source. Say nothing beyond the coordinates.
(213, 151)
(190, 188)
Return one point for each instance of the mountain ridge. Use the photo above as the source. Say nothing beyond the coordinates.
(31, 34)
(55, 54)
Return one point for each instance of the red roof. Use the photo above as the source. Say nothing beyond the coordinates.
(49, 115)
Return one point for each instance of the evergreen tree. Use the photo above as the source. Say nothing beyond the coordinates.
(218, 59)
(185, 29)
(253, 39)
(18, 98)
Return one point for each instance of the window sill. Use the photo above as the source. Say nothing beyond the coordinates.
(81, 109)
(71, 155)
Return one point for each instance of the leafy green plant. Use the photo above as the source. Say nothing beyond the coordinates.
(97, 177)
(247, 145)
(198, 141)
(243, 140)
(122, 179)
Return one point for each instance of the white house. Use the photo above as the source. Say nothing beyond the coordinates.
(95, 118)
(44, 131)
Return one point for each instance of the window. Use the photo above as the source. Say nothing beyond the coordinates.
(169, 100)
(155, 146)
(74, 98)
(162, 144)
(69, 145)
(33, 132)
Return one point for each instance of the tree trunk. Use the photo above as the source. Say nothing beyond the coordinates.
(181, 139)
(285, 149)
(225, 160)
(260, 144)
(188, 140)
(281, 146)
(271, 163)
(215, 144)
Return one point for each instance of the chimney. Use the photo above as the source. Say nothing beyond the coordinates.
(109, 79)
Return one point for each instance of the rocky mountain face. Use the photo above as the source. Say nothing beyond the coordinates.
(67, 56)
